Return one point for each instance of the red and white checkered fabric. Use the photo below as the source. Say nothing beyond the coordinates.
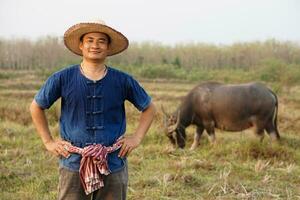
(93, 164)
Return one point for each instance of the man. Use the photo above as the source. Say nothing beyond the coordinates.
(92, 148)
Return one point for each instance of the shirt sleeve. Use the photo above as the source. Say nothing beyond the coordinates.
(49, 92)
(136, 94)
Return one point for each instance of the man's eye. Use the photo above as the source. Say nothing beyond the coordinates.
(101, 41)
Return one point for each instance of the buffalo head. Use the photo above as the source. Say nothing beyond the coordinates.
(173, 128)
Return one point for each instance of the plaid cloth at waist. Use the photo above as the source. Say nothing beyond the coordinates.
(93, 164)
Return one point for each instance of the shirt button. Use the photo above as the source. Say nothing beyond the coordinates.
(93, 127)
(94, 96)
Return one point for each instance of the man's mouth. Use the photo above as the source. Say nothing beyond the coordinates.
(95, 52)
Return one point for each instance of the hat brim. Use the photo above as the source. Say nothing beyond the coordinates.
(118, 42)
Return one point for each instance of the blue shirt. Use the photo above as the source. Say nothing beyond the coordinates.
(92, 111)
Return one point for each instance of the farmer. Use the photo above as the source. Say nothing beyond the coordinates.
(93, 145)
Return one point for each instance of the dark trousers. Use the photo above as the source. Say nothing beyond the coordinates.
(70, 188)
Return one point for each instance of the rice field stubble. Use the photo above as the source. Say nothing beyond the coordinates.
(238, 167)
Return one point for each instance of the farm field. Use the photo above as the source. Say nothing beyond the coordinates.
(237, 167)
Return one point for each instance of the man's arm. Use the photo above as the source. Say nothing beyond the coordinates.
(41, 124)
(131, 142)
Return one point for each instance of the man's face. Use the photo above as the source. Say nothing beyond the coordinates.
(94, 46)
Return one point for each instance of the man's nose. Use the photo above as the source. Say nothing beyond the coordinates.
(95, 45)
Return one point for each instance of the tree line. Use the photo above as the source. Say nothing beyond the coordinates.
(50, 53)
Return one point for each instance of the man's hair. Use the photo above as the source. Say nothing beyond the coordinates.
(109, 40)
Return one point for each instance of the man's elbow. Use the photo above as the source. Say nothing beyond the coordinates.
(151, 109)
(34, 107)
(154, 108)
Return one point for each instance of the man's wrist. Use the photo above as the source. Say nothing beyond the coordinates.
(138, 137)
(47, 141)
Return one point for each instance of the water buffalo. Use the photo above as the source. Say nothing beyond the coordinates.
(213, 105)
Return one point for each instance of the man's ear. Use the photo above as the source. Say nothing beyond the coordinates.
(81, 46)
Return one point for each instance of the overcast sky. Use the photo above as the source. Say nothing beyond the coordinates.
(166, 21)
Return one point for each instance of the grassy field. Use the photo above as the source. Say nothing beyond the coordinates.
(237, 167)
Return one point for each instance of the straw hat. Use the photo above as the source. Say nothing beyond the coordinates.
(118, 42)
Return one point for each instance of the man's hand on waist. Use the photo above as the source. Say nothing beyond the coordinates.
(57, 147)
(128, 144)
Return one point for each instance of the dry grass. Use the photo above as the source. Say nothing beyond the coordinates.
(237, 167)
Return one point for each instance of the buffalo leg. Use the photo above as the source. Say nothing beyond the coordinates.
(210, 129)
(259, 131)
(261, 134)
(272, 130)
(259, 127)
(197, 137)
